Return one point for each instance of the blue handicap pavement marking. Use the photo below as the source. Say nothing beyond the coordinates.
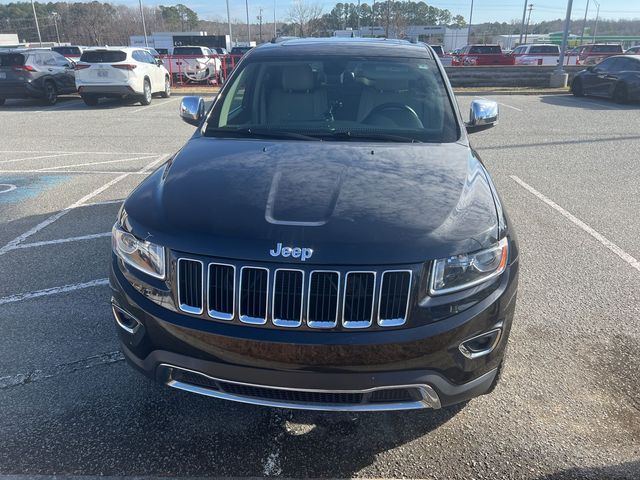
(17, 189)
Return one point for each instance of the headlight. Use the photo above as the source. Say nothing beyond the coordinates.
(463, 271)
(140, 254)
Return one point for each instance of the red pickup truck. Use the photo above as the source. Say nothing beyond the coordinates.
(482, 55)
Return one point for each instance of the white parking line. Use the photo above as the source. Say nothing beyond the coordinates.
(503, 104)
(83, 172)
(36, 158)
(53, 291)
(95, 163)
(80, 153)
(155, 104)
(576, 221)
(62, 240)
(48, 221)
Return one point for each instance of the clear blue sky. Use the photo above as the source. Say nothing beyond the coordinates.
(484, 10)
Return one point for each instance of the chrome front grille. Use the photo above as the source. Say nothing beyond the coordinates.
(294, 297)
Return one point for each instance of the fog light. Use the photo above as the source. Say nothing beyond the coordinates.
(125, 320)
(480, 345)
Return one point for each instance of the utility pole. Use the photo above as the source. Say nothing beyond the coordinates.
(373, 16)
(595, 29)
(359, 18)
(55, 23)
(144, 25)
(229, 21)
(388, 17)
(246, 2)
(584, 23)
(470, 19)
(524, 16)
(275, 25)
(526, 31)
(559, 71)
(33, 5)
(260, 23)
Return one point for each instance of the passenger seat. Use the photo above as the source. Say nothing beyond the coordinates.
(299, 100)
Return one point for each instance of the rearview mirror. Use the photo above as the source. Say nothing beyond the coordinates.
(192, 110)
(483, 114)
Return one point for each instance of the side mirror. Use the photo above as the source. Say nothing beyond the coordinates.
(159, 62)
(591, 69)
(192, 110)
(483, 114)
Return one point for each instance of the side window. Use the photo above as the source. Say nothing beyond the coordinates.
(138, 56)
(607, 65)
(60, 60)
(148, 58)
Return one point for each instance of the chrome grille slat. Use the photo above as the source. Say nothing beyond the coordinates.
(322, 299)
(190, 286)
(221, 291)
(358, 299)
(254, 295)
(393, 302)
(288, 287)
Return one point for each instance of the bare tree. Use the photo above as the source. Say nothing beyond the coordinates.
(306, 16)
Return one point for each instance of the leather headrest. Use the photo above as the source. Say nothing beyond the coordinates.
(297, 78)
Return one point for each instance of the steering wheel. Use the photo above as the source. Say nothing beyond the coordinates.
(400, 114)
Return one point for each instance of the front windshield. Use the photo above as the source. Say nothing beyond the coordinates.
(337, 98)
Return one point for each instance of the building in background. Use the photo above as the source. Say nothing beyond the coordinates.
(9, 40)
(169, 40)
(449, 38)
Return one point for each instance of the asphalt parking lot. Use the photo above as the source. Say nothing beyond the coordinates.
(568, 405)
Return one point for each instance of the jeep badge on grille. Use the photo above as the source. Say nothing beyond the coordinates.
(295, 252)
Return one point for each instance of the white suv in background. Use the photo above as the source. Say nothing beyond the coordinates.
(537, 54)
(121, 72)
(195, 64)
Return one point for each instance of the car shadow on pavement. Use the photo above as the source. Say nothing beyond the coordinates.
(587, 103)
(624, 471)
(28, 105)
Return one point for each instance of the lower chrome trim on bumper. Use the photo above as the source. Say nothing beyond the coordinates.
(429, 396)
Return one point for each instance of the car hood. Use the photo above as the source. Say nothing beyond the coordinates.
(352, 203)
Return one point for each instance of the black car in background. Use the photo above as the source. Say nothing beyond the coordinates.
(328, 238)
(36, 73)
(615, 77)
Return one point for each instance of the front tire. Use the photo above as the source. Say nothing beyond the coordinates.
(145, 99)
(167, 88)
(577, 88)
(621, 94)
(50, 93)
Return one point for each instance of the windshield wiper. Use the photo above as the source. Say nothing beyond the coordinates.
(262, 133)
(387, 137)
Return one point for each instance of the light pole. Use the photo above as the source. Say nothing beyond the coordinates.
(526, 30)
(229, 21)
(595, 29)
(144, 25)
(260, 23)
(470, 19)
(275, 25)
(33, 5)
(565, 40)
(55, 24)
(246, 3)
(584, 23)
(524, 16)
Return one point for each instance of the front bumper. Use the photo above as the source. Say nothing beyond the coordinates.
(282, 368)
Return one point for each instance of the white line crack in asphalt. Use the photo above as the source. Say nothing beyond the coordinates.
(59, 370)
